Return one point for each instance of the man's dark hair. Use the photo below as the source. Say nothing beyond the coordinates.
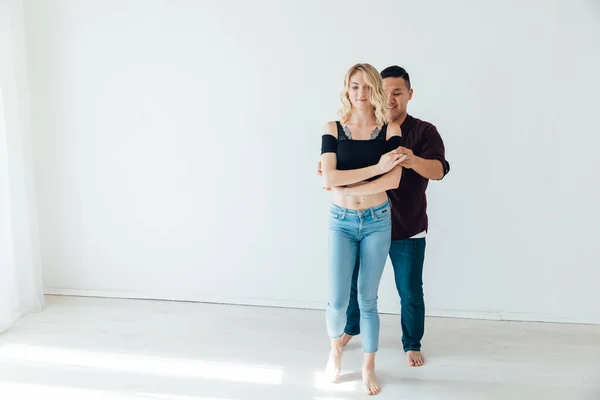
(396, 72)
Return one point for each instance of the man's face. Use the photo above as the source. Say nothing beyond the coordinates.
(398, 96)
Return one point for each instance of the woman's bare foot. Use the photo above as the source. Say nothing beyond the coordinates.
(415, 358)
(345, 339)
(370, 383)
(334, 364)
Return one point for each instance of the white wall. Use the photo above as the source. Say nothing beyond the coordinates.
(21, 289)
(176, 144)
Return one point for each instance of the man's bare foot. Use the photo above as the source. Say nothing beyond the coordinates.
(370, 383)
(345, 339)
(415, 358)
(334, 364)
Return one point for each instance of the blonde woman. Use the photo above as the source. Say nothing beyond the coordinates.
(359, 163)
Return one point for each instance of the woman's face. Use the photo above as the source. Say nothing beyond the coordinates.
(359, 92)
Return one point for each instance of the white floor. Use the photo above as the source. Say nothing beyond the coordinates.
(87, 349)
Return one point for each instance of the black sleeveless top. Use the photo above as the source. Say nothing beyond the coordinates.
(356, 154)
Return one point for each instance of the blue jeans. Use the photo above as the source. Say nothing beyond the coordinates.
(353, 232)
(407, 259)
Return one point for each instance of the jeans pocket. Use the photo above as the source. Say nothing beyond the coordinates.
(335, 215)
(335, 221)
(383, 214)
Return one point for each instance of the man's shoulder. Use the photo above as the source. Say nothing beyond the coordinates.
(422, 125)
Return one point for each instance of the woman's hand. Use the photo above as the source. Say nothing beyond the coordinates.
(388, 161)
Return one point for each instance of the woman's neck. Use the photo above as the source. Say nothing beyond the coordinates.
(362, 118)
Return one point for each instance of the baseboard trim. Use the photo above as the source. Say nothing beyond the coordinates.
(283, 303)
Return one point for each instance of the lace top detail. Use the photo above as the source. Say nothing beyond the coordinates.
(346, 134)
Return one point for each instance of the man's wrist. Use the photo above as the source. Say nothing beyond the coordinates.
(417, 162)
(424, 167)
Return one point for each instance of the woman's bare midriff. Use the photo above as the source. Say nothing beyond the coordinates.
(359, 202)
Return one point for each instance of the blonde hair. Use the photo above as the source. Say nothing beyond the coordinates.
(377, 98)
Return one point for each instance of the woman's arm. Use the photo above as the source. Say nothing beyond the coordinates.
(391, 180)
(334, 177)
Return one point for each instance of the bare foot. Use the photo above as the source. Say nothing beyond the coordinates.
(334, 364)
(370, 383)
(345, 339)
(415, 358)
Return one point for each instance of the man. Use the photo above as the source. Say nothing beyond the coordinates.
(425, 160)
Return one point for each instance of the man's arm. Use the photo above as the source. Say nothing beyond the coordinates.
(431, 163)
(429, 169)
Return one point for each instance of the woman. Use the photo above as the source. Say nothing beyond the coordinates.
(359, 163)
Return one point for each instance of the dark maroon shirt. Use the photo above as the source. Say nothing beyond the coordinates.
(409, 202)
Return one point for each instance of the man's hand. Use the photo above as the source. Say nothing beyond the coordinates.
(410, 160)
(428, 169)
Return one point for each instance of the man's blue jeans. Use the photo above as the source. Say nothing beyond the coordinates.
(407, 259)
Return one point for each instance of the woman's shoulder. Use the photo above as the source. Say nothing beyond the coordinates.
(331, 129)
(393, 129)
